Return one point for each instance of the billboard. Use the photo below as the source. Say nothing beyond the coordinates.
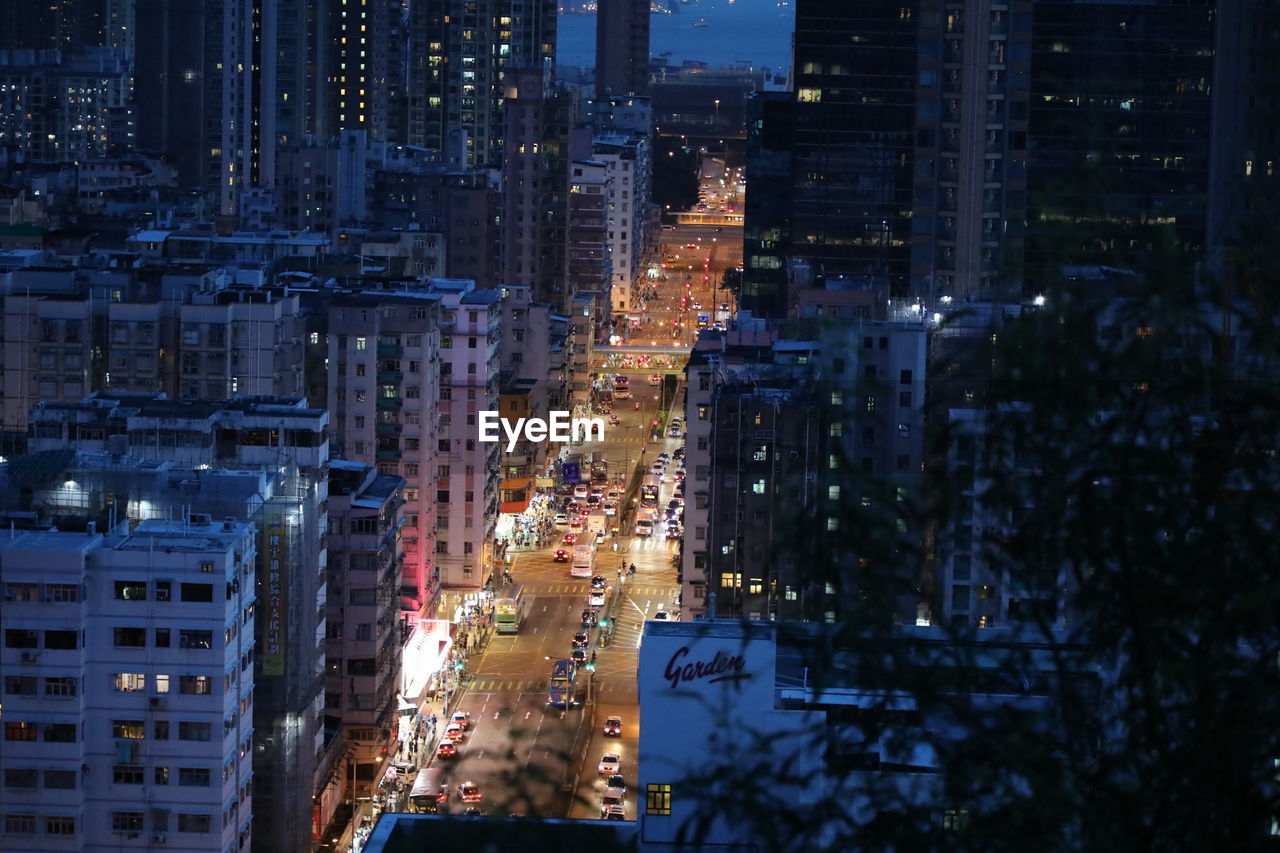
(275, 559)
(570, 472)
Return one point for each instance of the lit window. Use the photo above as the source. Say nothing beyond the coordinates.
(758, 487)
(657, 799)
(362, 344)
(833, 493)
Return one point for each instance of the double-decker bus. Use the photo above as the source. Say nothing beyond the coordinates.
(584, 556)
(509, 611)
(649, 491)
(561, 691)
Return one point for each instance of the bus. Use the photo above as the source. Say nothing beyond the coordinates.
(584, 556)
(424, 796)
(561, 691)
(599, 467)
(509, 611)
(649, 491)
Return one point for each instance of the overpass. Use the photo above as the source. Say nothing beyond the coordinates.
(718, 219)
(638, 360)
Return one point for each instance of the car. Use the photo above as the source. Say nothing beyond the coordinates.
(622, 394)
(613, 726)
(615, 812)
(578, 655)
(593, 500)
(589, 618)
(455, 732)
(614, 798)
(673, 503)
(655, 379)
(596, 599)
(597, 491)
(673, 532)
(662, 615)
(469, 792)
(610, 509)
(569, 539)
(673, 432)
(561, 519)
(473, 811)
(462, 718)
(580, 639)
(561, 556)
(599, 582)
(616, 781)
(576, 523)
(610, 763)
(581, 490)
(447, 749)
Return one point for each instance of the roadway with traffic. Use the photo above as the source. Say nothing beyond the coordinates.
(526, 756)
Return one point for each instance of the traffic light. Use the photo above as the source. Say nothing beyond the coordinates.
(604, 623)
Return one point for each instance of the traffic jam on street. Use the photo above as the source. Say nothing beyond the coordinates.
(545, 719)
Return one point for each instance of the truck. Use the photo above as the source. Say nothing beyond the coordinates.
(598, 523)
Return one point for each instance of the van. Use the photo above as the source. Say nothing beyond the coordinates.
(644, 527)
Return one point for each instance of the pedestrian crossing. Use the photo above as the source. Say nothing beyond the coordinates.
(580, 589)
(529, 685)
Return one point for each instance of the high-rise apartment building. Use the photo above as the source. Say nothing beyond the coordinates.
(622, 47)
(948, 149)
(775, 427)
(363, 640)
(129, 686)
(467, 473)
(384, 384)
(63, 106)
(284, 437)
(177, 330)
(267, 78)
(628, 160)
(590, 262)
(462, 53)
(535, 185)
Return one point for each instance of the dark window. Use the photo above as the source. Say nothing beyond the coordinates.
(194, 776)
(194, 731)
(131, 637)
(20, 685)
(21, 638)
(202, 592)
(126, 821)
(60, 778)
(61, 639)
(905, 377)
(20, 777)
(60, 732)
(162, 638)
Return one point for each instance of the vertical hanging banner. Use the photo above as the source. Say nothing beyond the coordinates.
(275, 548)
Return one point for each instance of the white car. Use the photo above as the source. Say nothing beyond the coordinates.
(662, 615)
(597, 598)
(610, 763)
(562, 519)
(580, 491)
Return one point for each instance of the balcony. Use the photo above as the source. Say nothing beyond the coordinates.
(390, 377)
(389, 428)
(390, 350)
(390, 403)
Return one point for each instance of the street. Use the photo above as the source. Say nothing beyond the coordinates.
(526, 756)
